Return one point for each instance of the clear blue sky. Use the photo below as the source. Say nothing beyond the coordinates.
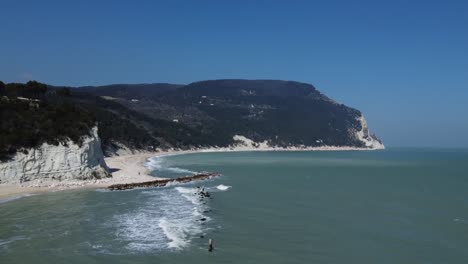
(404, 65)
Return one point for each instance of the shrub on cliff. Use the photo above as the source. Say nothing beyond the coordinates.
(2, 88)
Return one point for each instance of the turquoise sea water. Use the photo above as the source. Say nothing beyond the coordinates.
(392, 206)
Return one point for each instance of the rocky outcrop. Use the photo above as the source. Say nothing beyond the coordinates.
(67, 161)
(363, 135)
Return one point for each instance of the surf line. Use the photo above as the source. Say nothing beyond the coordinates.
(161, 183)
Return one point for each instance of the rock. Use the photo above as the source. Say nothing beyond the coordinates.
(63, 162)
(365, 137)
(161, 183)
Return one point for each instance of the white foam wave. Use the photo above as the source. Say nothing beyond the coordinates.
(179, 170)
(460, 220)
(185, 190)
(6, 200)
(174, 232)
(159, 164)
(103, 190)
(141, 231)
(4, 242)
(167, 218)
(222, 187)
(190, 194)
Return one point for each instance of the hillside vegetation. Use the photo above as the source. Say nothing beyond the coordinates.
(281, 112)
(150, 116)
(29, 123)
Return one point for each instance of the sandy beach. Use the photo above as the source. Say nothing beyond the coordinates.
(125, 169)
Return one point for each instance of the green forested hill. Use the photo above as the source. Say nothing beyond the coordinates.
(200, 114)
(282, 112)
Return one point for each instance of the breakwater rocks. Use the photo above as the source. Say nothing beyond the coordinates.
(161, 183)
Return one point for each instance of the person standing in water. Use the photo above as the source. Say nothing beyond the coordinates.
(210, 245)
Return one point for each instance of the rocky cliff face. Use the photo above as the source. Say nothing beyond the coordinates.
(63, 162)
(363, 135)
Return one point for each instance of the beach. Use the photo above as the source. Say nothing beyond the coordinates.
(124, 169)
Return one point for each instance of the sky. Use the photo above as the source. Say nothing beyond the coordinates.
(404, 64)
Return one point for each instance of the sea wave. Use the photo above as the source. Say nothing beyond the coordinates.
(16, 197)
(223, 187)
(460, 220)
(104, 190)
(160, 164)
(5, 243)
(168, 219)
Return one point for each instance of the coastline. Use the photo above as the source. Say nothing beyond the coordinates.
(130, 168)
(124, 169)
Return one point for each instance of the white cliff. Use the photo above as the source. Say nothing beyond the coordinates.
(63, 162)
(364, 136)
(370, 142)
(246, 143)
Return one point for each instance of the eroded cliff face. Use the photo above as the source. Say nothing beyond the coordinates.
(369, 141)
(63, 162)
(363, 135)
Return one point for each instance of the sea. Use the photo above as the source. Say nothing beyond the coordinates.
(389, 206)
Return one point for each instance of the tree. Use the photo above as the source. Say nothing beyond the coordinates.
(64, 91)
(14, 89)
(35, 89)
(2, 88)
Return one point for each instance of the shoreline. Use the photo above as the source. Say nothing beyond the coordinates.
(124, 169)
(131, 168)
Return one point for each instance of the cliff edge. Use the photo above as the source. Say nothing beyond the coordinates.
(65, 161)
